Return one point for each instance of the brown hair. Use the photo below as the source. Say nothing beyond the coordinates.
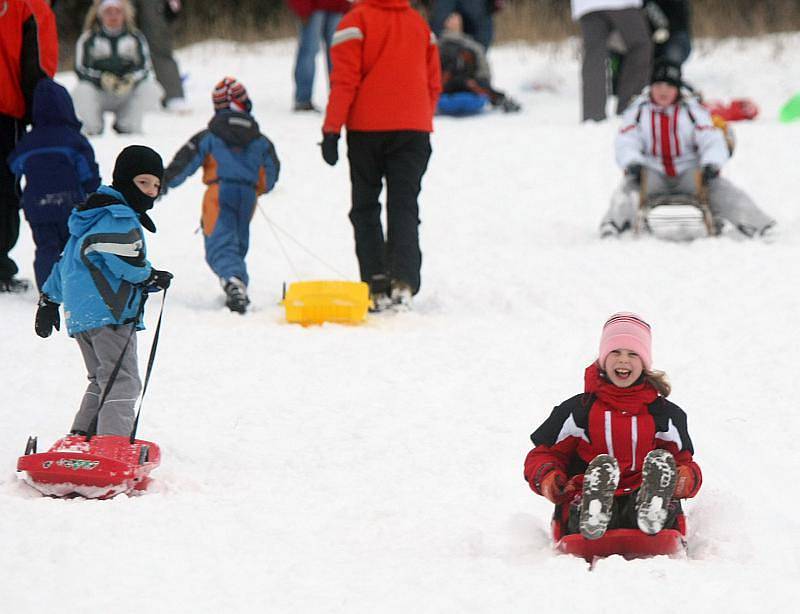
(658, 380)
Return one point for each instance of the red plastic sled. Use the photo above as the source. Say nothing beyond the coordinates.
(629, 543)
(736, 110)
(101, 468)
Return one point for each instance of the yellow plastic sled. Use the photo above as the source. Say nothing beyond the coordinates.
(315, 302)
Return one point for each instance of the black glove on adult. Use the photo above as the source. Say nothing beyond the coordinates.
(159, 279)
(634, 172)
(330, 148)
(710, 172)
(47, 317)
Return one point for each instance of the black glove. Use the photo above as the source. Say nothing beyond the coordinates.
(634, 172)
(710, 172)
(159, 279)
(47, 317)
(509, 105)
(330, 148)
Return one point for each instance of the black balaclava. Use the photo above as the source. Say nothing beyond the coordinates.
(132, 161)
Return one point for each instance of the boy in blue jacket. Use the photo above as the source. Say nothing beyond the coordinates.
(101, 279)
(239, 164)
(59, 169)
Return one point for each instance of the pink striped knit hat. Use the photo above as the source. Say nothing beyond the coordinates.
(626, 331)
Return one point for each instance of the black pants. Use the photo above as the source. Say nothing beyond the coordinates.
(623, 514)
(401, 158)
(10, 132)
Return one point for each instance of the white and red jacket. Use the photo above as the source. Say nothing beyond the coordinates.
(670, 139)
(626, 423)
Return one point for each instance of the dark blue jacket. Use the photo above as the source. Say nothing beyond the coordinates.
(55, 158)
(232, 149)
(100, 277)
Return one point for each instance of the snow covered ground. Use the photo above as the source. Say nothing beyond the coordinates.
(379, 468)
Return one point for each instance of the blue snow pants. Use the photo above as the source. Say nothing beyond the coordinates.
(50, 239)
(227, 238)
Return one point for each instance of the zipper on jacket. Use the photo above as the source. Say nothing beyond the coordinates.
(634, 439)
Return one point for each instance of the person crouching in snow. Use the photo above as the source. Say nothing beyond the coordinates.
(239, 164)
(112, 61)
(58, 164)
(102, 279)
(669, 137)
(465, 70)
(618, 455)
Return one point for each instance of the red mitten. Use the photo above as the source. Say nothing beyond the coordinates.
(685, 483)
(556, 488)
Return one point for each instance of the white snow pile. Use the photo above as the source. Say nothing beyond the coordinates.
(378, 468)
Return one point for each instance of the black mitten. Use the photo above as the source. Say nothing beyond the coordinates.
(330, 148)
(47, 317)
(159, 279)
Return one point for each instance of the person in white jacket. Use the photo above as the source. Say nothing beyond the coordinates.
(597, 19)
(669, 136)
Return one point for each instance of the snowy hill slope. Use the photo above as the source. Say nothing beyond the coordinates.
(379, 468)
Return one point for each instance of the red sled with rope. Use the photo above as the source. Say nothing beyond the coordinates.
(99, 467)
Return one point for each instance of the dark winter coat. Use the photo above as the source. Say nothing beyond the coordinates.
(56, 159)
(100, 276)
(125, 55)
(676, 12)
(233, 149)
(626, 423)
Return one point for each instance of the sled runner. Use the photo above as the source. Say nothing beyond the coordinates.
(675, 216)
(100, 468)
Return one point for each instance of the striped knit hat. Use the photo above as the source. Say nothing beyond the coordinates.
(230, 94)
(626, 331)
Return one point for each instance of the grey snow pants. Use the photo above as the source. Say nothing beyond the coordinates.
(635, 74)
(101, 349)
(725, 200)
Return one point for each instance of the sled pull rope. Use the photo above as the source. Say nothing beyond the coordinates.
(150, 362)
(273, 227)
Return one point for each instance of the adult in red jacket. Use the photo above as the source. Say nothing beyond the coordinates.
(384, 87)
(28, 52)
(623, 413)
(317, 20)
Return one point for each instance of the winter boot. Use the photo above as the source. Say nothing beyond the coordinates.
(658, 483)
(236, 295)
(14, 284)
(379, 289)
(401, 295)
(600, 482)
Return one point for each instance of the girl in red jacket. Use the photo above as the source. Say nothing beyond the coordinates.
(619, 455)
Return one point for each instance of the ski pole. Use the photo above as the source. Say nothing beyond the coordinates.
(150, 362)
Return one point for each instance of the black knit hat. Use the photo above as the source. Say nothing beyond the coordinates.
(667, 72)
(132, 161)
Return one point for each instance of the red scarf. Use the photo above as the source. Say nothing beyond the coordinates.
(633, 399)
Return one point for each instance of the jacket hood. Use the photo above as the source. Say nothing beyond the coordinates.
(106, 201)
(235, 128)
(52, 106)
